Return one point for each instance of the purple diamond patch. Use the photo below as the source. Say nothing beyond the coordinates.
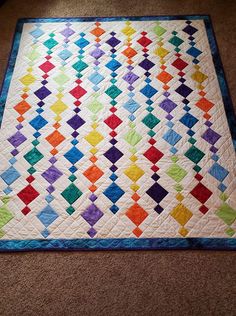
(76, 121)
(189, 29)
(130, 77)
(211, 136)
(17, 139)
(184, 90)
(113, 42)
(52, 174)
(146, 64)
(67, 32)
(97, 53)
(113, 154)
(92, 214)
(42, 93)
(92, 232)
(157, 192)
(168, 105)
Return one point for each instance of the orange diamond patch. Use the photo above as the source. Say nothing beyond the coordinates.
(136, 214)
(55, 138)
(93, 173)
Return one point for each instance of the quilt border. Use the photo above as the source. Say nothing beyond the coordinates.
(123, 243)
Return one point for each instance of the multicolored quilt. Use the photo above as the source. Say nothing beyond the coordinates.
(114, 135)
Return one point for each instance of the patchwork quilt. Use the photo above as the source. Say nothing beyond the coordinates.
(114, 135)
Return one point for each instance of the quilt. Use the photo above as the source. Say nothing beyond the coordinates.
(116, 133)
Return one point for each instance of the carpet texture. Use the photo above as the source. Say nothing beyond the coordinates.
(121, 283)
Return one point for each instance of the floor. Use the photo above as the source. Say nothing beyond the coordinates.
(120, 283)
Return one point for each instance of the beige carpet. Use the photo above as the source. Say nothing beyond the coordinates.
(120, 283)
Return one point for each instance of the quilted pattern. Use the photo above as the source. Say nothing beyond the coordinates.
(115, 130)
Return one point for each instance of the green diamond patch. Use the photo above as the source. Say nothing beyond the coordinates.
(150, 121)
(194, 154)
(33, 156)
(176, 172)
(71, 193)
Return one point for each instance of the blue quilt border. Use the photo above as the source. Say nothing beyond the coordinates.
(119, 244)
(123, 243)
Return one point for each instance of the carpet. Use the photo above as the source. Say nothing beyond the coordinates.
(120, 138)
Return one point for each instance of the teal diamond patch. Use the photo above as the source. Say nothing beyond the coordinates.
(80, 66)
(113, 92)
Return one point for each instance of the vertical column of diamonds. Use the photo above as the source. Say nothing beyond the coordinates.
(72, 193)
(11, 174)
(52, 174)
(200, 192)
(113, 154)
(193, 153)
(156, 191)
(28, 194)
(180, 212)
(135, 213)
(92, 214)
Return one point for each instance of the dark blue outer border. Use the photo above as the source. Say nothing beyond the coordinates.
(123, 243)
(119, 244)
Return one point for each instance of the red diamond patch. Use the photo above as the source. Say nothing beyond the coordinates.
(144, 41)
(113, 121)
(28, 194)
(179, 64)
(47, 66)
(203, 209)
(201, 193)
(78, 92)
(153, 154)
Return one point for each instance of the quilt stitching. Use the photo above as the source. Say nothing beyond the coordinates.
(120, 137)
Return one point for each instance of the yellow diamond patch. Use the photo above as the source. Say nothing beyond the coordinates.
(179, 197)
(134, 187)
(133, 158)
(58, 107)
(94, 125)
(27, 79)
(93, 151)
(134, 172)
(59, 95)
(183, 231)
(128, 30)
(161, 52)
(94, 138)
(199, 76)
(181, 214)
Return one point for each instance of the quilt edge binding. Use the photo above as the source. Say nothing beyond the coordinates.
(119, 244)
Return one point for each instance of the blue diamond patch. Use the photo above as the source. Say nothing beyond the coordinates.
(193, 51)
(131, 106)
(113, 65)
(218, 172)
(148, 91)
(82, 42)
(10, 175)
(171, 137)
(65, 54)
(189, 120)
(73, 155)
(95, 78)
(38, 122)
(114, 192)
(47, 216)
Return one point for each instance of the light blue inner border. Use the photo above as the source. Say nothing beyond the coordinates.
(123, 243)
